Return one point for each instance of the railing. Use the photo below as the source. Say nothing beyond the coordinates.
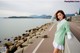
(72, 45)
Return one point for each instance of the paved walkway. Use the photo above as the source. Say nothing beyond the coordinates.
(43, 45)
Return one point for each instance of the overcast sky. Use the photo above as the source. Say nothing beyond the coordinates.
(35, 7)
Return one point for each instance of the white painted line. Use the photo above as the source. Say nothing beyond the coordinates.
(51, 27)
(34, 51)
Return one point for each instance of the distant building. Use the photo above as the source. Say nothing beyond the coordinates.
(79, 11)
(76, 13)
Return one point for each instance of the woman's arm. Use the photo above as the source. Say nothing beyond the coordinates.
(68, 30)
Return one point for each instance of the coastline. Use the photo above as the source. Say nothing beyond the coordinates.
(32, 35)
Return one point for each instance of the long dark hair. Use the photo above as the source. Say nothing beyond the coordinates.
(60, 11)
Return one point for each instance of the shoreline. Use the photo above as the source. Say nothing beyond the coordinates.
(31, 35)
(13, 30)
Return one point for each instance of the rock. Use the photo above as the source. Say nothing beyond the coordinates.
(23, 34)
(30, 42)
(0, 41)
(45, 36)
(5, 39)
(29, 30)
(15, 38)
(36, 36)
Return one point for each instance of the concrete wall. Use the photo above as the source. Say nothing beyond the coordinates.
(72, 45)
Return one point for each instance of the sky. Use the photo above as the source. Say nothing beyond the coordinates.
(36, 7)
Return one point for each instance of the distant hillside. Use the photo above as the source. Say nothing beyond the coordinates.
(32, 16)
(42, 16)
(37, 16)
(19, 17)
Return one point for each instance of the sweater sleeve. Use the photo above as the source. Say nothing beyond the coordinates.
(68, 30)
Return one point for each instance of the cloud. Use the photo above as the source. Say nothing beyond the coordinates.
(13, 13)
(29, 7)
(24, 6)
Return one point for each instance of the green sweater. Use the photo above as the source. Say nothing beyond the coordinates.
(62, 28)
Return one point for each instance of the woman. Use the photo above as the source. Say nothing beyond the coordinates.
(62, 28)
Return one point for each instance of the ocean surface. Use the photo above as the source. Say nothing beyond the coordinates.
(14, 27)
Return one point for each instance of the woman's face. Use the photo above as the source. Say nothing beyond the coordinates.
(60, 16)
